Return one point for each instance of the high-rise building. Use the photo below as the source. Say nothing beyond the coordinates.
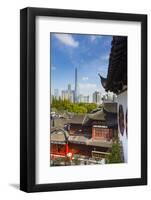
(97, 97)
(69, 87)
(86, 99)
(72, 96)
(64, 94)
(80, 98)
(68, 94)
(83, 99)
(56, 93)
(76, 87)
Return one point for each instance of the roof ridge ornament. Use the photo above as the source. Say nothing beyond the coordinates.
(103, 80)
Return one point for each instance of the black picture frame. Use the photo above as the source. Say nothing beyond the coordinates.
(28, 99)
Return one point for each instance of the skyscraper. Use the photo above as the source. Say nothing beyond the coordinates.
(83, 99)
(64, 94)
(76, 87)
(56, 93)
(68, 94)
(97, 97)
(69, 87)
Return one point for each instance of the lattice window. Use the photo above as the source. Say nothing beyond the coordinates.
(102, 132)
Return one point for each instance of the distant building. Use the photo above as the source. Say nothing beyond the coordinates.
(71, 96)
(83, 99)
(69, 87)
(64, 94)
(86, 99)
(76, 87)
(69, 91)
(68, 94)
(96, 97)
(56, 94)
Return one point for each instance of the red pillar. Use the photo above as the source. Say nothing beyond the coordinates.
(67, 149)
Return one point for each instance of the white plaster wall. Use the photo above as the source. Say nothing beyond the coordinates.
(122, 99)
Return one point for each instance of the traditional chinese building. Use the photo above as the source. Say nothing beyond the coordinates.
(89, 135)
(116, 81)
(94, 131)
(59, 143)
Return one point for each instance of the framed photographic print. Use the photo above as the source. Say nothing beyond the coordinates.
(83, 99)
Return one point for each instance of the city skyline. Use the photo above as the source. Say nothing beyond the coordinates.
(96, 97)
(69, 94)
(76, 97)
(88, 53)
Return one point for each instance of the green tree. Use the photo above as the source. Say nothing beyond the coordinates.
(115, 155)
(76, 160)
(66, 105)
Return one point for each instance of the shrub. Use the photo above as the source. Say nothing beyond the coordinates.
(115, 155)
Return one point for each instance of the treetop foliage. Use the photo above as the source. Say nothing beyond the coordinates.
(66, 105)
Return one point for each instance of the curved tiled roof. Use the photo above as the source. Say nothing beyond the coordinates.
(59, 135)
(98, 115)
(110, 107)
(107, 115)
(116, 78)
(77, 119)
(80, 139)
(100, 143)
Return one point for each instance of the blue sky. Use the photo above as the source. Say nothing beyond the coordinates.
(89, 53)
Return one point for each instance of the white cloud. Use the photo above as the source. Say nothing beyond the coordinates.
(87, 86)
(105, 57)
(92, 38)
(85, 78)
(67, 39)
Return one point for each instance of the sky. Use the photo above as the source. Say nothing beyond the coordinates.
(88, 53)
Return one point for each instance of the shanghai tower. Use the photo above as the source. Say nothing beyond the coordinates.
(76, 87)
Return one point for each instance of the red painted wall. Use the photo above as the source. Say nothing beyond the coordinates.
(58, 149)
